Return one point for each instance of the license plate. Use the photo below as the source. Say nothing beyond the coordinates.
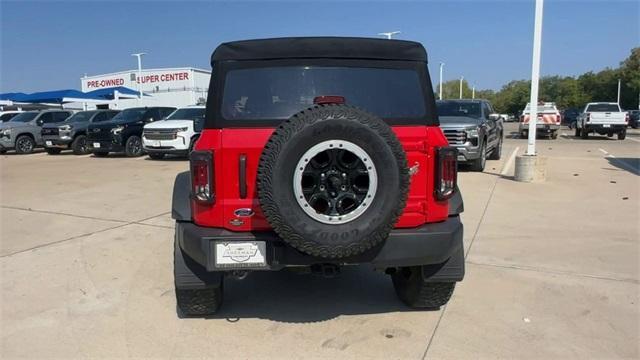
(49, 143)
(240, 254)
(96, 145)
(606, 125)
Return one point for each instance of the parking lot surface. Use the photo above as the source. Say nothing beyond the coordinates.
(552, 269)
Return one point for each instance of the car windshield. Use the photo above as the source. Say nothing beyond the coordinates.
(458, 108)
(280, 92)
(603, 108)
(24, 117)
(81, 116)
(130, 114)
(187, 114)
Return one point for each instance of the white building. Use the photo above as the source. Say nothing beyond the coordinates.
(160, 87)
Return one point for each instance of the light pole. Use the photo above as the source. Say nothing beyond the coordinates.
(139, 56)
(473, 92)
(389, 34)
(461, 78)
(619, 91)
(535, 77)
(441, 66)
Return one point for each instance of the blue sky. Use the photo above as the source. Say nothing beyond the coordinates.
(50, 45)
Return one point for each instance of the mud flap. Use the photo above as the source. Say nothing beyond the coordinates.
(190, 275)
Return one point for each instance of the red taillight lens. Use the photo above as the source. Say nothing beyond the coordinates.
(329, 99)
(446, 172)
(558, 119)
(202, 180)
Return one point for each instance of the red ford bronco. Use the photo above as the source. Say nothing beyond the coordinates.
(318, 153)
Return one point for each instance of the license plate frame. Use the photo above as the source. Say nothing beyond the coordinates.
(48, 143)
(240, 254)
(606, 125)
(96, 145)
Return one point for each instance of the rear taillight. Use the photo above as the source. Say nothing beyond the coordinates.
(626, 118)
(588, 117)
(558, 119)
(446, 172)
(202, 180)
(329, 99)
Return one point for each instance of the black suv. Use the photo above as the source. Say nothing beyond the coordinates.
(72, 133)
(123, 133)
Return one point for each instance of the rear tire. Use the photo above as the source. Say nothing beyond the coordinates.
(622, 135)
(198, 302)
(133, 146)
(25, 144)
(156, 156)
(554, 135)
(584, 134)
(413, 289)
(79, 145)
(479, 163)
(577, 134)
(53, 151)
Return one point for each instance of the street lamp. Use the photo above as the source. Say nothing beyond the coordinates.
(461, 78)
(139, 56)
(473, 92)
(389, 34)
(441, 66)
(535, 76)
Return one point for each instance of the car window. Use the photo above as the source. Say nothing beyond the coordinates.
(101, 116)
(452, 108)
(46, 118)
(279, 92)
(7, 117)
(153, 114)
(603, 108)
(60, 116)
(164, 112)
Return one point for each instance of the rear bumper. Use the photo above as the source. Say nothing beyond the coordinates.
(606, 128)
(540, 128)
(429, 244)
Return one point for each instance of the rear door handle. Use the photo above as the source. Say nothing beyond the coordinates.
(242, 176)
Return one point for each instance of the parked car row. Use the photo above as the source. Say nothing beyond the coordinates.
(154, 130)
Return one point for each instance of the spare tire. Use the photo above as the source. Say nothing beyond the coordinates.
(333, 180)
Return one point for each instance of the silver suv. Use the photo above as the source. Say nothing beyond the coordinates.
(23, 131)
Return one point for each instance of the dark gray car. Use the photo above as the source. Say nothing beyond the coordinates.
(72, 133)
(473, 127)
(23, 131)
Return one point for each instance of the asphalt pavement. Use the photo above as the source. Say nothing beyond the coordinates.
(552, 269)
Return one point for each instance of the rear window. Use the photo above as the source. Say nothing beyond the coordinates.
(542, 108)
(276, 93)
(603, 108)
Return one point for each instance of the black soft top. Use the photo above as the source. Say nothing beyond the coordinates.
(320, 47)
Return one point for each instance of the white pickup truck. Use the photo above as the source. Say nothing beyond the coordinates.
(604, 118)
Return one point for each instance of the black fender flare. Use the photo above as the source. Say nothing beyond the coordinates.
(456, 205)
(181, 201)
